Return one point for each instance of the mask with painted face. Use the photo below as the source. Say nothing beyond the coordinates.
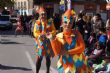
(42, 13)
(67, 18)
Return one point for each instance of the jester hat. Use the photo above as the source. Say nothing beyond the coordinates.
(68, 16)
(40, 10)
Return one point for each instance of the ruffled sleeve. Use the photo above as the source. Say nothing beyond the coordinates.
(36, 31)
(79, 48)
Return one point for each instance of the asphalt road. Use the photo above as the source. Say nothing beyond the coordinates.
(17, 54)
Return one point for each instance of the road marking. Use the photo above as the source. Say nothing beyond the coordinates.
(31, 62)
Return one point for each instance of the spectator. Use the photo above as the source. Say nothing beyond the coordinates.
(108, 24)
(19, 28)
(80, 23)
(108, 44)
(97, 24)
(87, 28)
(25, 21)
(97, 55)
(106, 66)
(103, 37)
(57, 22)
(91, 43)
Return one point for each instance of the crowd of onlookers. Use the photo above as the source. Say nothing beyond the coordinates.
(96, 34)
(95, 31)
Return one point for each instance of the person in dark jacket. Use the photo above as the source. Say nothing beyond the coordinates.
(80, 23)
(97, 23)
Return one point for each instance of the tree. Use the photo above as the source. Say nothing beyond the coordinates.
(2, 3)
(6, 3)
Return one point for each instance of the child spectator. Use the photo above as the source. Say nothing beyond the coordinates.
(19, 27)
(106, 66)
(96, 56)
(103, 37)
(91, 42)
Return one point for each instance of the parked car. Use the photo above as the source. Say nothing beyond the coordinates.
(13, 18)
(5, 22)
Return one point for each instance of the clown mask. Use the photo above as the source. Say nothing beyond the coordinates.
(42, 13)
(67, 20)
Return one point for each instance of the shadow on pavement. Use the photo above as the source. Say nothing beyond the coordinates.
(3, 67)
(7, 41)
(7, 32)
(10, 43)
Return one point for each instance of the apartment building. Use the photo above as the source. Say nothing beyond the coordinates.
(24, 6)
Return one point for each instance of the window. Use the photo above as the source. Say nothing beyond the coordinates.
(21, 5)
(18, 5)
(25, 5)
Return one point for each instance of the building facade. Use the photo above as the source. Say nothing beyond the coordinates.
(24, 6)
(90, 6)
(53, 6)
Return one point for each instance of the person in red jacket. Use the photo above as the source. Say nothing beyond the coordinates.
(19, 27)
